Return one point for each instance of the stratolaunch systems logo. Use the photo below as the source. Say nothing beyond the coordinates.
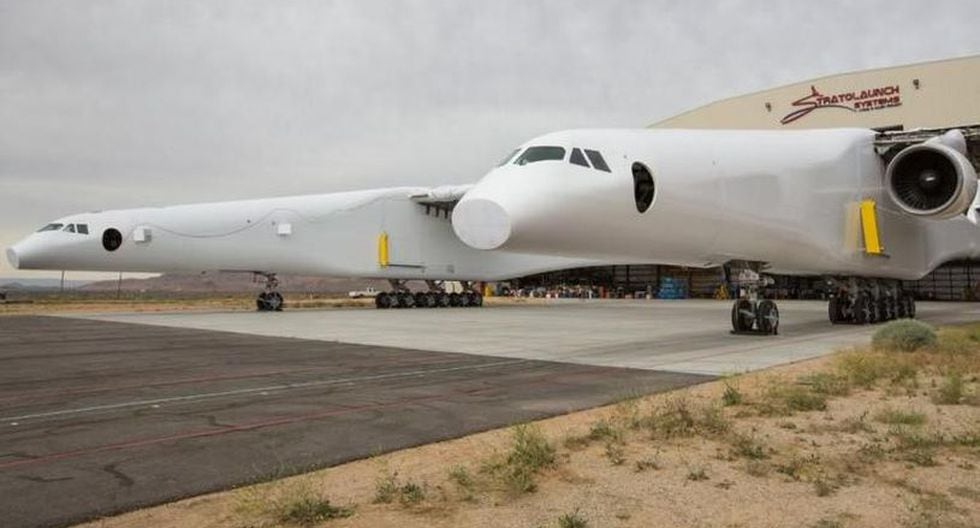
(857, 101)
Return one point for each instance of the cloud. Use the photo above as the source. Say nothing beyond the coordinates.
(127, 103)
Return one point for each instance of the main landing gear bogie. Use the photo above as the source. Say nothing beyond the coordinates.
(863, 302)
(436, 297)
(385, 300)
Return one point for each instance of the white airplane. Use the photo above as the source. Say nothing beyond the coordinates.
(863, 209)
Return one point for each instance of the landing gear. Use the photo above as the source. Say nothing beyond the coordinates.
(270, 300)
(384, 300)
(444, 300)
(750, 314)
(868, 301)
(436, 297)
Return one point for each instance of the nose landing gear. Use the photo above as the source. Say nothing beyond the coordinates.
(269, 300)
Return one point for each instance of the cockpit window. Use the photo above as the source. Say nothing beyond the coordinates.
(534, 154)
(50, 227)
(82, 228)
(578, 158)
(70, 228)
(597, 160)
(508, 158)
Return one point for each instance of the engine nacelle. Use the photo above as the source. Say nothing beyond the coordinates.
(931, 179)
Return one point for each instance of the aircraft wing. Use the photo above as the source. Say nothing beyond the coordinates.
(443, 195)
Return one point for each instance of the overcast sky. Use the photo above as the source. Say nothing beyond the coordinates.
(131, 103)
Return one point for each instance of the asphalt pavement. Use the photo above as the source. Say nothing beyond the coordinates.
(100, 417)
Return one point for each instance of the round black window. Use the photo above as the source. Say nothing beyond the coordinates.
(643, 188)
(111, 239)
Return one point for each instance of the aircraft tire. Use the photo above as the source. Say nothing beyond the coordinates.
(863, 312)
(274, 301)
(406, 300)
(444, 300)
(889, 309)
(768, 316)
(834, 311)
(910, 306)
(261, 304)
(742, 321)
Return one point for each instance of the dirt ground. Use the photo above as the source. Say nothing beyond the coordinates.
(862, 438)
(96, 304)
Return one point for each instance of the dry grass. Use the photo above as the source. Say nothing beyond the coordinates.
(862, 438)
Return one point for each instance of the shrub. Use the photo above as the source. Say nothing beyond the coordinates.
(905, 335)
(798, 467)
(956, 341)
(411, 493)
(786, 399)
(572, 520)
(827, 383)
(615, 454)
(385, 488)
(731, 396)
(697, 474)
(464, 481)
(310, 510)
(530, 452)
(951, 391)
(746, 446)
(293, 503)
(531, 449)
(823, 487)
(645, 464)
(899, 417)
(863, 368)
(603, 430)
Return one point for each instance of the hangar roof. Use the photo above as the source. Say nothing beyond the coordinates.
(938, 94)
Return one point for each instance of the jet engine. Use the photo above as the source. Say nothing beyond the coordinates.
(932, 179)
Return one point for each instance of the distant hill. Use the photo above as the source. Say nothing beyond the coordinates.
(21, 284)
(230, 282)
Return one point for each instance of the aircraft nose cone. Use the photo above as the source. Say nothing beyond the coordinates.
(481, 223)
(12, 258)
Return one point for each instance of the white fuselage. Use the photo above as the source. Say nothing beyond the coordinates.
(786, 199)
(329, 234)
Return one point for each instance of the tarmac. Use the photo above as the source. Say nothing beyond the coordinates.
(691, 336)
(106, 413)
(102, 417)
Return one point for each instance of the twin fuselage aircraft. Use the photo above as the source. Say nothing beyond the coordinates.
(850, 205)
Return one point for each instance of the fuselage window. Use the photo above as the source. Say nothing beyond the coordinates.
(70, 228)
(597, 160)
(50, 227)
(82, 228)
(578, 158)
(644, 190)
(535, 154)
(508, 158)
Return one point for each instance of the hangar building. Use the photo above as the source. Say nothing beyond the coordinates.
(932, 95)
